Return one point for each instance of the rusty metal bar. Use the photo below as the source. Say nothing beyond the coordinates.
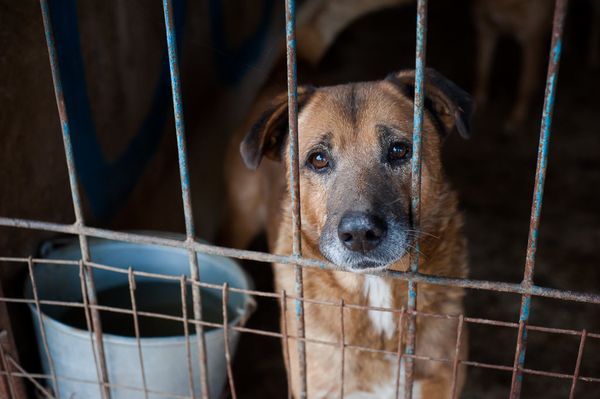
(136, 327)
(185, 186)
(284, 341)
(486, 285)
(471, 320)
(38, 311)
(421, 48)
(578, 364)
(9, 375)
(400, 355)
(595, 380)
(39, 386)
(24, 374)
(79, 220)
(225, 301)
(186, 333)
(88, 319)
(560, 12)
(342, 349)
(457, 361)
(294, 181)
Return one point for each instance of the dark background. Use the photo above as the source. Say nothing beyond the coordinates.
(494, 175)
(493, 172)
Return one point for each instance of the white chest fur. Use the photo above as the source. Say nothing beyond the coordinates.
(387, 390)
(379, 294)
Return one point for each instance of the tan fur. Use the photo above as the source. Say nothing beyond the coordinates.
(526, 21)
(260, 199)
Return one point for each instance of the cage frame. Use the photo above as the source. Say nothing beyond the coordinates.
(407, 315)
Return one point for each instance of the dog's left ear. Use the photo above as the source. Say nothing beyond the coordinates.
(267, 135)
(450, 105)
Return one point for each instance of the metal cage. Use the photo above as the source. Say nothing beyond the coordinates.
(46, 384)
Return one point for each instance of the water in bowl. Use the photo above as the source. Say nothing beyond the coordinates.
(156, 297)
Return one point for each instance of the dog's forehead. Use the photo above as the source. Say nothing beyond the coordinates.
(353, 112)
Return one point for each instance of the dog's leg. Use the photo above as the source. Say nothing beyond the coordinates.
(487, 38)
(530, 72)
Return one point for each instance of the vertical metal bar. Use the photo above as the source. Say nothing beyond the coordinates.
(38, 310)
(459, 333)
(186, 334)
(560, 11)
(400, 350)
(79, 221)
(421, 47)
(185, 188)
(88, 321)
(578, 364)
(7, 368)
(286, 348)
(292, 81)
(136, 328)
(342, 348)
(225, 301)
(28, 377)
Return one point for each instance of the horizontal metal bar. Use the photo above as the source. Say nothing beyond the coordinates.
(473, 364)
(38, 376)
(486, 285)
(469, 320)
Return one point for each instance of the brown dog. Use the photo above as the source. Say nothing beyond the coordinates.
(526, 21)
(355, 151)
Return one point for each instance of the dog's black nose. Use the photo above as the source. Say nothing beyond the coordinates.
(361, 232)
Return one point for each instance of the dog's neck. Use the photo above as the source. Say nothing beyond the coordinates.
(441, 251)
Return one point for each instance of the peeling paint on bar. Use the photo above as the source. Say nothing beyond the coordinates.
(420, 52)
(536, 207)
(185, 189)
(98, 347)
(294, 182)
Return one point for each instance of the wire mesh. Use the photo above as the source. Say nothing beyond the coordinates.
(47, 384)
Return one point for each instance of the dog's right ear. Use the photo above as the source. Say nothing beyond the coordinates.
(267, 136)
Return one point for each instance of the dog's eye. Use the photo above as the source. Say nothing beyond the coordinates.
(318, 160)
(398, 151)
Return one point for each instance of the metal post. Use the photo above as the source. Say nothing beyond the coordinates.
(292, 81)
(185, 188)
(79, 220)
(538, 193)
(421, 48)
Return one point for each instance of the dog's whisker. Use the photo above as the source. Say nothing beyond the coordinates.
(421, 232)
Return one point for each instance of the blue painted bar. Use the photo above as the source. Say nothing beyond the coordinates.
(294, 179)
(98, 346)
(421, 48)
(560, 12)
(185, 187)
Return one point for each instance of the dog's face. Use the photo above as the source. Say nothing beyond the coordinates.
(355, 150)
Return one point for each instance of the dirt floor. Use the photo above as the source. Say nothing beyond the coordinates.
(494, 174)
